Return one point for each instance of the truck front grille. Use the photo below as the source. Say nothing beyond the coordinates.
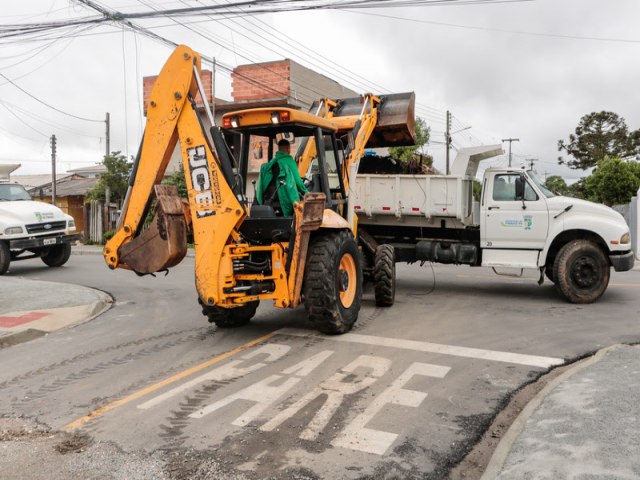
(46, 227)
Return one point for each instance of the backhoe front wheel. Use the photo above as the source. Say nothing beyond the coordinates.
(581, 271)
(231, 317)
(333, 282)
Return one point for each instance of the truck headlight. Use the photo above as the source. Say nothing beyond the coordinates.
(72, 224)
(625, 239)
(13, 230)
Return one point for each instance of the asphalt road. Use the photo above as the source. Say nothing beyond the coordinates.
(406, 394)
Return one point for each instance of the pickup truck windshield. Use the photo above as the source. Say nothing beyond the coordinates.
(540, 184)
(10, 192)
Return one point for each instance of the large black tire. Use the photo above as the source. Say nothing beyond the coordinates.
(5, 258)
(385, 275)
(581, 271)
(333, 282)
(232, 317)
(57, 255)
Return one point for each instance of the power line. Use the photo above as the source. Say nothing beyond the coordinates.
(45, 103)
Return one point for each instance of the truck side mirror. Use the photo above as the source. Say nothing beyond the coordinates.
(520, 188)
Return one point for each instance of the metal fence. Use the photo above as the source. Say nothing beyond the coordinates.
(631, 215)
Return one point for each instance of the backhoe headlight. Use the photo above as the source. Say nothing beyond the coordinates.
(230, 122)
(625, 239)
(13, 231)
(71, 225)
(277, 117)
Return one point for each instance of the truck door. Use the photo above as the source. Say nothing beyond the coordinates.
(514, 216)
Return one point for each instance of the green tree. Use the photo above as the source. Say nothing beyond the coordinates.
(116, 178)
(556, 184)
(599, 135)
(577, 189)
(613, 182)
(405, 154)
(177, 178)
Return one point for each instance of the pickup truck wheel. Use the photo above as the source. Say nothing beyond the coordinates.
(333, 282)
(385, 276)
(5, 258)
(232, 317)
(582, 271)
(57, 255)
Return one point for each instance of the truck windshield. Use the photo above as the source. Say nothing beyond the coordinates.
(540, 184)
(10, 192)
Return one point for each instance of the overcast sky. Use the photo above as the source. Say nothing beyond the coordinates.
(499, 82)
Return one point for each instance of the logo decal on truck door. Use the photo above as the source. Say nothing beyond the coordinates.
(201, 182)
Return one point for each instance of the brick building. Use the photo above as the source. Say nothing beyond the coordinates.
(281, 83)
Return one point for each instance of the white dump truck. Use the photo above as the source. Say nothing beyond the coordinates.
(521, 225)
(31, 229)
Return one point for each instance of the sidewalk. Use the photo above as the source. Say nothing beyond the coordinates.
(583, 424)
(30, 308)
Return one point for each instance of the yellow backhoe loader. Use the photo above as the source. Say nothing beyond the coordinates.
(248, 253)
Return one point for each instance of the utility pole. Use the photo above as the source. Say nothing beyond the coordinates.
(447, 139)
(510, 140)
(53, 169)
(531, 161)
(107, 142)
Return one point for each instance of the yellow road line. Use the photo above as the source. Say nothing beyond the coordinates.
(167, 381)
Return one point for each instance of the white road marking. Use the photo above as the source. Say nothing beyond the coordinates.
(265, 394)
(357, 437)
(496, 356)
(335, 389)
(273, 352)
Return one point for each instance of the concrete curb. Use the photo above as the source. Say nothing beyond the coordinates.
(503, 449)
(94, 309)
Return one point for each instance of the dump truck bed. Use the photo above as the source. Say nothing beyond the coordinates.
(386, 199)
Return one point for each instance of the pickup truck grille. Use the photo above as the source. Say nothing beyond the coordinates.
(46, 227)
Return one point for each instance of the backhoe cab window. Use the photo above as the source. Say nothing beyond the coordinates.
(11, 192)
(504, 189)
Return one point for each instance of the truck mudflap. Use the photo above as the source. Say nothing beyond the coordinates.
(44, 241)
(623, 262)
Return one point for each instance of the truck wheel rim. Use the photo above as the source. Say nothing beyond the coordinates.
(585, 272)
(347, 282)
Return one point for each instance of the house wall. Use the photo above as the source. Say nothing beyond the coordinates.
(261, 80)
(207, 83)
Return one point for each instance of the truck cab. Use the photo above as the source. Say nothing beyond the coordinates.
(525, 225)
(30, 229)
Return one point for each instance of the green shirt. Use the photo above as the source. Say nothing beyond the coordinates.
(290, 189)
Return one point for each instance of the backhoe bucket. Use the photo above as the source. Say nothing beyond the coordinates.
(396, 119)
(164, 243)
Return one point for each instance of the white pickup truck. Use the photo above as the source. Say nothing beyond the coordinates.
(31, 229)
(522, 225)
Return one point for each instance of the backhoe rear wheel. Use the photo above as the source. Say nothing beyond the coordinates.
(232, 317)
(385, 275)
(333, 282)
(581, 271)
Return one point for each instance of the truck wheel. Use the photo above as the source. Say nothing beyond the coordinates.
(582, 271)
(385, 276)
(333, 282)
(57, 255)
(231, 317)
(5, 258)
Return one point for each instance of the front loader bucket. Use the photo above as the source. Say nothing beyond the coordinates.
(396, 119)
(164, 243)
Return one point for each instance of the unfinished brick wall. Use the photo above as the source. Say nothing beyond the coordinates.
(207, 83)
(260, 81)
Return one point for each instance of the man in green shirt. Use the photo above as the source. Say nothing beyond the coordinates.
(289, 187)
